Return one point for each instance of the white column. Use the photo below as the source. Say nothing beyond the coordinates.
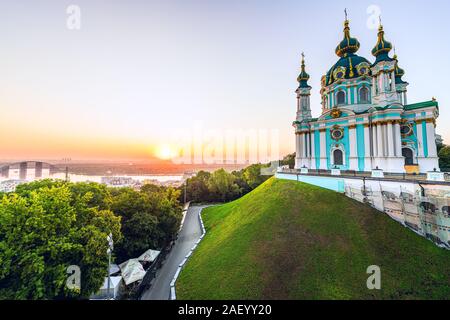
(313, 153)
(420, 140)
(323, 150)
(374, 84)
(300, 145)
(431, 136)
(306, 145)
(367, 149)
(375, 140)
(386, 81)
(405, 100)
(380, 140)
(380, 83)
(393, 81)
(303, 146)
(398, 140)
(390, 140)
(298, 150)
(353, 149)
(297, 146)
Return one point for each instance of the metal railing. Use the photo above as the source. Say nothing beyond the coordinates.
(363, 174)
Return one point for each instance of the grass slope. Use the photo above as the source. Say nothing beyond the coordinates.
(289, 240)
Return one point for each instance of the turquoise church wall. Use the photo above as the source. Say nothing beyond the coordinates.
(331, 183)
(360, 146)
(424, 139)
(317, 147)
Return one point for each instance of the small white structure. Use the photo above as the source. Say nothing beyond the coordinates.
(114, 289)
(149, 255)
(132, 271)
(114, 268)
(377, 173)
(435, 176)
(335, 172)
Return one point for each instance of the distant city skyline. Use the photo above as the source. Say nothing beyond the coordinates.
(139, 74)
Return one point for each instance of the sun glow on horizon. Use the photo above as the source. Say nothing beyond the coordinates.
(164, 152)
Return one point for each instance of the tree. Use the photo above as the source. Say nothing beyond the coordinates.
(289, 160)
(197, 187)
(444, 158)
(150, 218)
(45, 228)
(222, 186)
(252, 176)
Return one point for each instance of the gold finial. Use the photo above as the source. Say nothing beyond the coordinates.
(303, 62)
(395, 54)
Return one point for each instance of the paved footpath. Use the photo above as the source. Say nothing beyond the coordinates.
(189, 234)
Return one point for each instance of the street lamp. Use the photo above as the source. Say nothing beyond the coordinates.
(109, 238)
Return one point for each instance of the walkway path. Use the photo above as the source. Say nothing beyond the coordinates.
(189, 234)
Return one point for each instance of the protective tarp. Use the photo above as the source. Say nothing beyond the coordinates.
(114, 269)
(113, 289)
(132, 271)
(149, 255)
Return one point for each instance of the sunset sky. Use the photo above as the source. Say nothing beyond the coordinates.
(138, 71)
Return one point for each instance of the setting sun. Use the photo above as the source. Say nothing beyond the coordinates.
(164, 152)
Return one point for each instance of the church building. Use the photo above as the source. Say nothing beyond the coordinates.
(366, 121)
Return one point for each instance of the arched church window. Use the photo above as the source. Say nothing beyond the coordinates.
(304, 104)
(338, 157)
(325, 101)
(340, 97)
(408, 155)
(364, 95)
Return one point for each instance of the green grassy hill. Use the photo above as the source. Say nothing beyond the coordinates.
(289, 240)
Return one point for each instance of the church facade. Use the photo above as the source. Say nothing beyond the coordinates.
(366, 120)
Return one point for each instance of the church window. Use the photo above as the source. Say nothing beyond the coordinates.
(406, 130)
(340, 97)
(304, 104)
(408, 155)
(337, 133)
(364, 95)
(338, 157)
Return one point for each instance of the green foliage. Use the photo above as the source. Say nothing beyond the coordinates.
(252, 176)
(444, 158)
(45, 227)
(197, 187)
(222, 186)
(288, 160)
(289, 240)
(150, 218)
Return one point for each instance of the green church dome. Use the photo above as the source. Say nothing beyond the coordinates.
(399, 72)
(303, 76)
(348, 45)
(349, 65)
(382, 48)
